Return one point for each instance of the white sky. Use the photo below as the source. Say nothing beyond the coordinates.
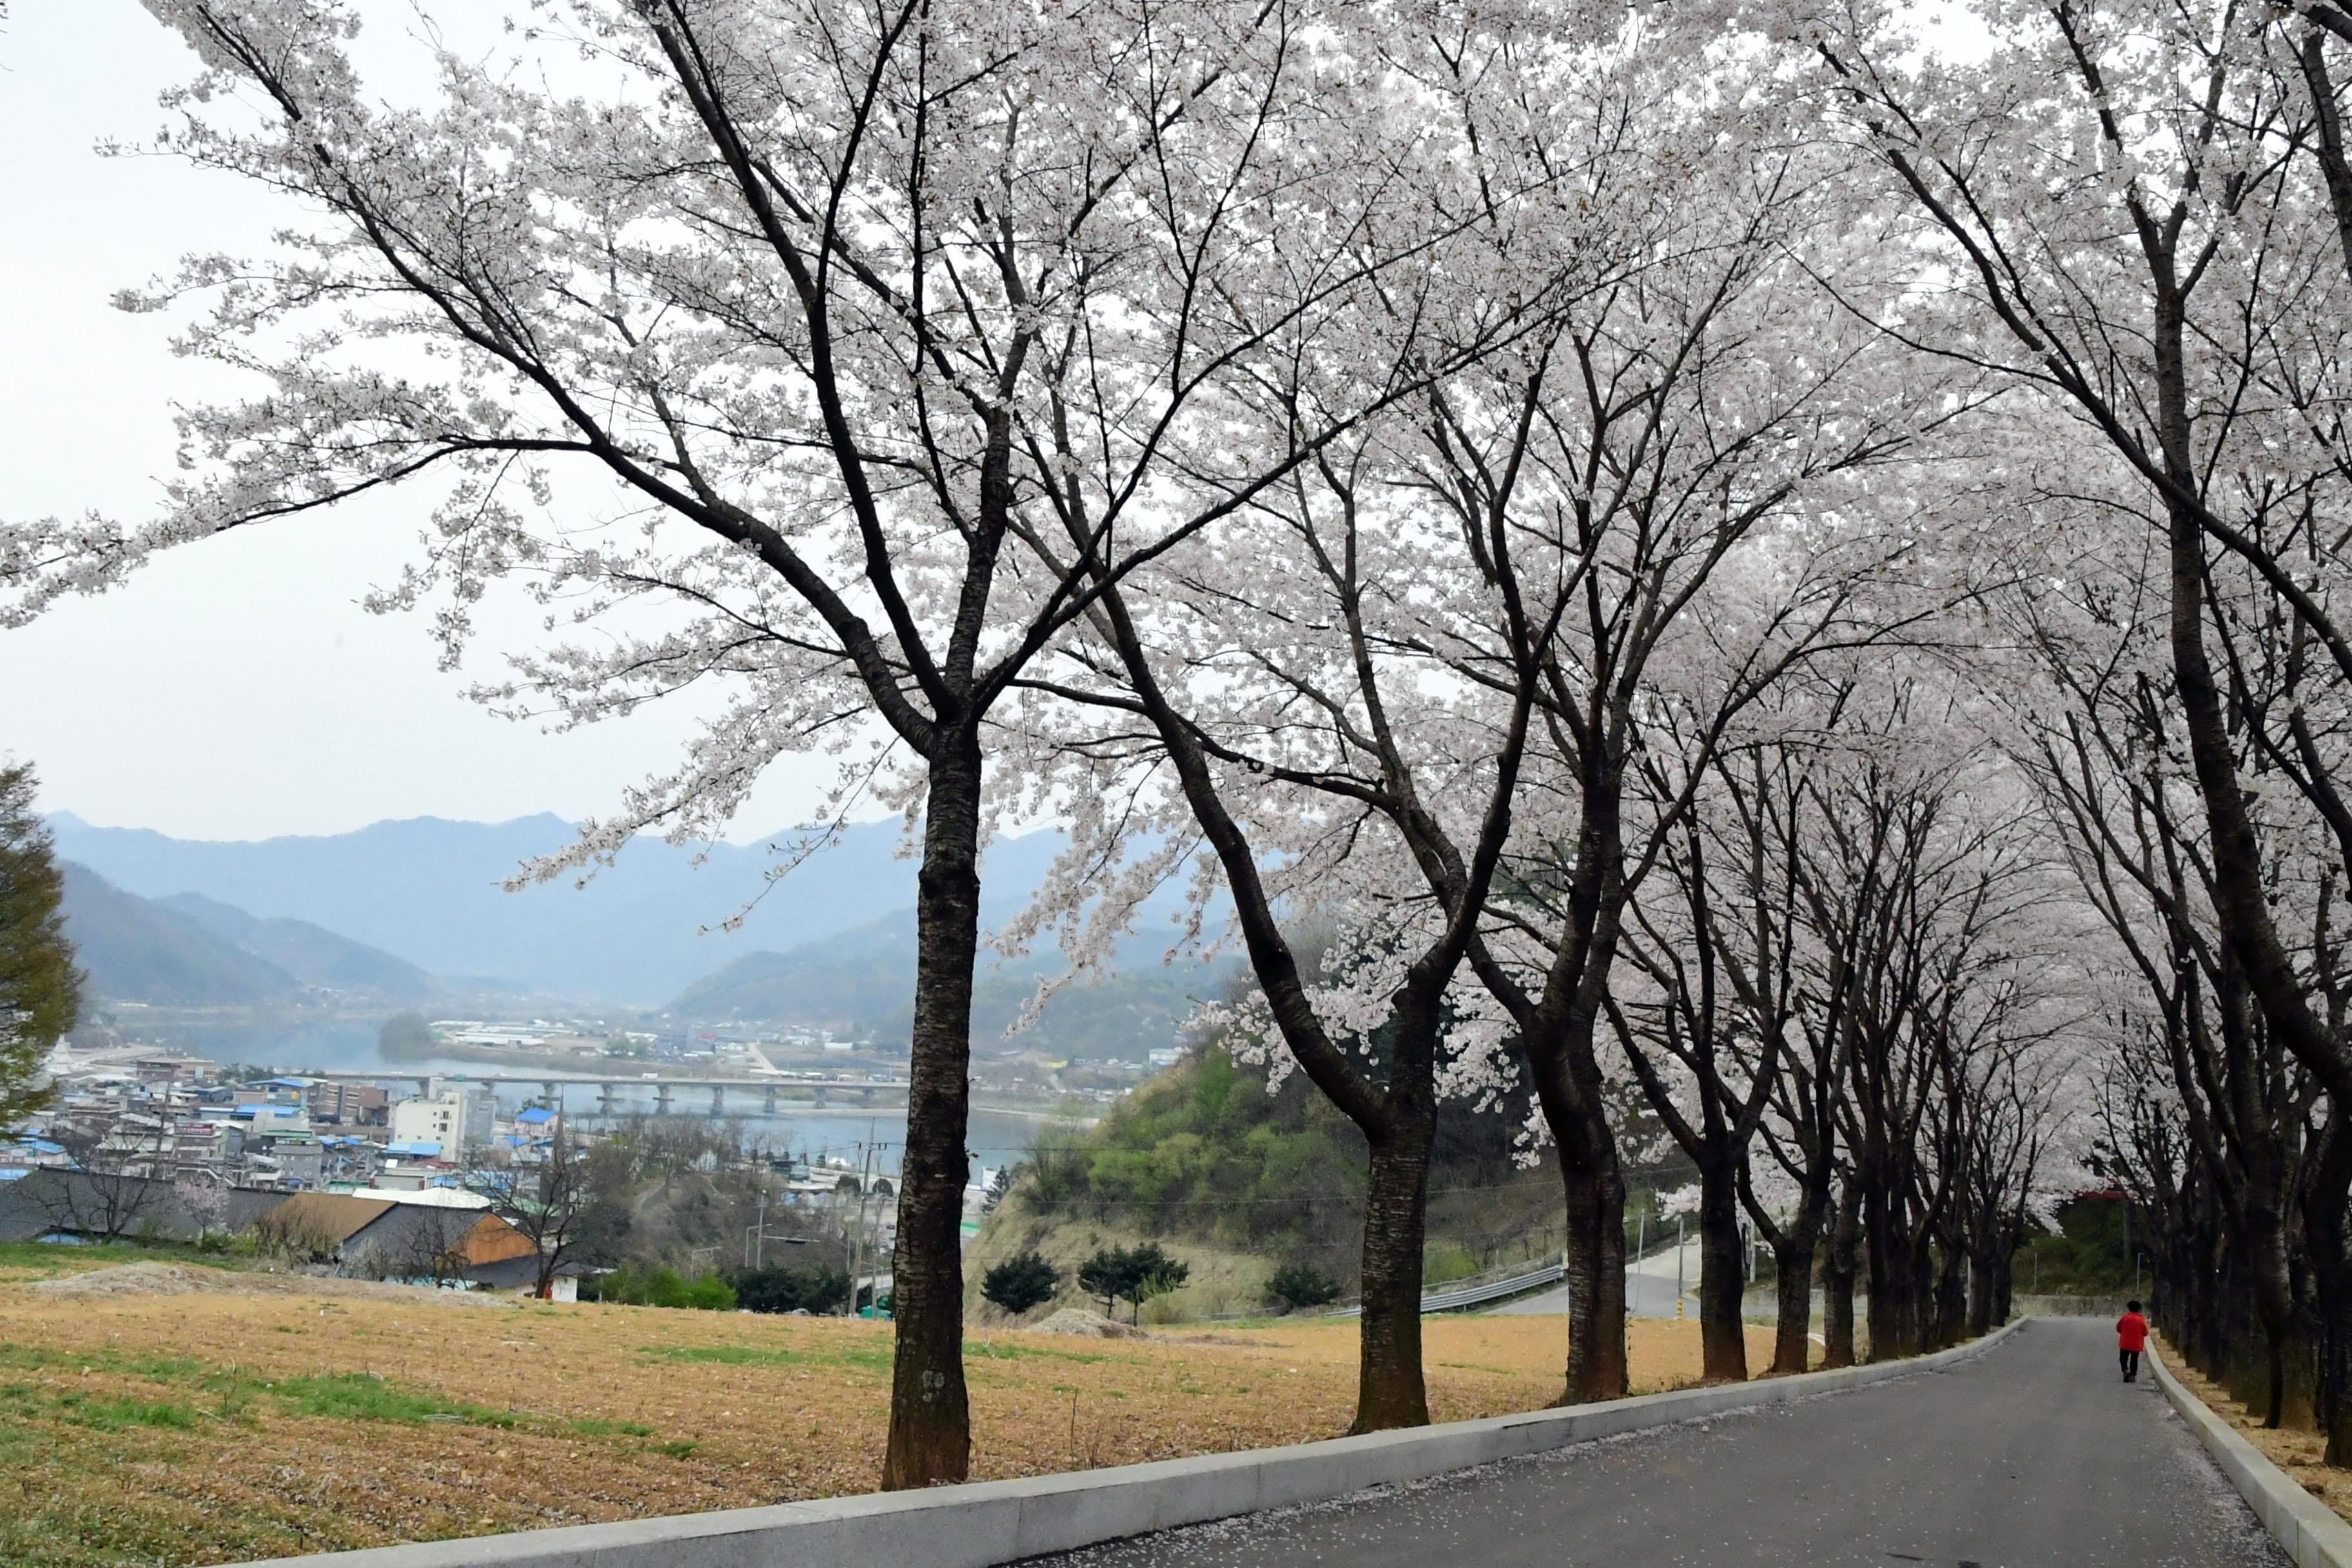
(235, 690)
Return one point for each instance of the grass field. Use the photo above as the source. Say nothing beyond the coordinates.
(258, 1417)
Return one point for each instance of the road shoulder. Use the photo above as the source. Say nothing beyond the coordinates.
(2307, 1528)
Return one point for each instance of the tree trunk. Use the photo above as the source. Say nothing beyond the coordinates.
(1793, 1327)
(1981, 1291)
(1951, 1300)
(1838, 1271)
(931, 1418)
(1722, 1278)
(1596, 1279)
(2274, 1301)
(1894, 1308)
(2328, 1234)
(1389, 1390)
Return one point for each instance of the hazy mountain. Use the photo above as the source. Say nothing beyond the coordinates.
(311, 954)
(429, 892)
(188, 949)
(862, 982)
(135, 950)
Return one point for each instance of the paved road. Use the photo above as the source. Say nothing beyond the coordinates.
(1649, 1286)
(2034, 1456)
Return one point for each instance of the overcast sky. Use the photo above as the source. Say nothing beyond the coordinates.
(235, 690)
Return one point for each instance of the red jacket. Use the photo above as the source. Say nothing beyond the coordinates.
(2131, 1332)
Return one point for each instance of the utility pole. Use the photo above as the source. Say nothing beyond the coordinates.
(755, 1241)
(857, 1244)
(1678, 1266)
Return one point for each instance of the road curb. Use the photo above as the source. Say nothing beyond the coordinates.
(2306, 1528)
(986, 1523)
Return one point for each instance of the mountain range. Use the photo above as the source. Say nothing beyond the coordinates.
(190, 951)
(394, 910)
(636, 933)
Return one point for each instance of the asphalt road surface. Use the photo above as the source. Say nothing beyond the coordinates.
(1650, 1286)
(2036, 1455)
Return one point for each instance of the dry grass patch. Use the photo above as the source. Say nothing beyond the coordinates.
(205, 1427)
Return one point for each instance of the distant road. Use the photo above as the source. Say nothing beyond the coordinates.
(2034, 1456)
(1649, 1286)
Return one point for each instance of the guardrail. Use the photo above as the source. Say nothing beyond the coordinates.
(1475, 1295)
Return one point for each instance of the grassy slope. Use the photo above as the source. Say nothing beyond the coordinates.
(1234, 1181)
(209, 1427)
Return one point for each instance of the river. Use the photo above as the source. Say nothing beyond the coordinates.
(995, 1137)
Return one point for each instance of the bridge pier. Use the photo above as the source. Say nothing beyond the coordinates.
(552, 1096)
(769, 1105)
(603, 1100)
(718, 1099)
(661, 1099)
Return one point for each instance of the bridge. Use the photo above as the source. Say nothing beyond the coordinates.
(614, 1089)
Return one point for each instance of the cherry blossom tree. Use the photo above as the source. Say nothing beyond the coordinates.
(1680, 475)
(2137, 213)
(1298, 722)
(743, 336)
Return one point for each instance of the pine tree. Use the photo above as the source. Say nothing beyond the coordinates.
(40, 991)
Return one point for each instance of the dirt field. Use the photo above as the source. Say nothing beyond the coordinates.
(257, 1417)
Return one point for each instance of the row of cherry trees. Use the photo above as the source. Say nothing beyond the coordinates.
(1729, 553)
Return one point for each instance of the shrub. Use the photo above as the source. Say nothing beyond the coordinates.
(664, 1286)
(813, 1287)
(710, 1294)
(1443, 1265)
(1297, 1285)
(1021, 1282)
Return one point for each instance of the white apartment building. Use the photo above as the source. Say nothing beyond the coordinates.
(457, 1117)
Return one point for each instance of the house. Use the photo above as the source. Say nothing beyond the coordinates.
(349, 1104)
(382, 1238)
(300, 1157)
(51, 1202)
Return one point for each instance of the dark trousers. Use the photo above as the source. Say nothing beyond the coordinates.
(2131, 1363)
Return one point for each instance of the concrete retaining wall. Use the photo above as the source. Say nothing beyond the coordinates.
(2308, 1529)
(2067, 1306)
(989, 1523)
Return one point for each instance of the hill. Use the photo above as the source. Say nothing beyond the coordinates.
(429, 893)
(189, 951)
(1236, 1180)
(861, 982)
(136, 950)
(311, 954)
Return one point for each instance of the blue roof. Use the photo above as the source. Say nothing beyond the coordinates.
(286, 1083)
(14, 1172)
(253, 1113)
(535, 1116)
(421, 1151)
(40, 1146)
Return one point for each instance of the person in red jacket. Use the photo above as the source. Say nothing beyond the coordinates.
(2131, 1338)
